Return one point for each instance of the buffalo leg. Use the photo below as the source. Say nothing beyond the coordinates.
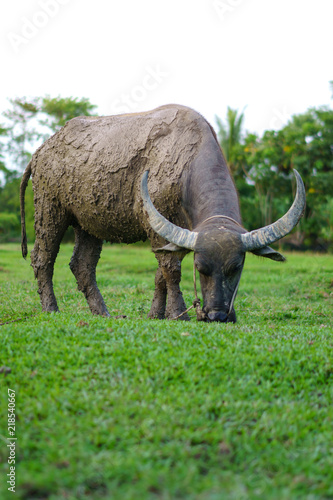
(50, 228)
(168, 297)
(83, 264)
(158, 306)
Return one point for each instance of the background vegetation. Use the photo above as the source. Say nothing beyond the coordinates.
(261, 165)
(130, 408)
(123, 407)
(27, 124)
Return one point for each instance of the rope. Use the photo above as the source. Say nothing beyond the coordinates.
(201, 316)
(196, 303)
(223, 217)
(18, 319)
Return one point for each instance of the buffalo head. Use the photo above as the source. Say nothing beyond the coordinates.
(220, 244)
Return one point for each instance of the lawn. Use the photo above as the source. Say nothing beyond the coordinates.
(130, 408)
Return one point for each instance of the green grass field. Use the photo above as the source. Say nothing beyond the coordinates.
(139, 409)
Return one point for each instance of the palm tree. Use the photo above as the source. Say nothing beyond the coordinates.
(230, 135)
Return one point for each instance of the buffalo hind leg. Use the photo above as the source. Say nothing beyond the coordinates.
(50, 229)
(83, 265)
(168, 299)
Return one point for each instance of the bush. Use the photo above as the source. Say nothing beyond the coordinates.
(9, 226)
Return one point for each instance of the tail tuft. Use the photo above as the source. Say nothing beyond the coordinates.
(24, 247)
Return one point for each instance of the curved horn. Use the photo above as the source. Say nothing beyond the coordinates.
(269, 234)
(177, 235)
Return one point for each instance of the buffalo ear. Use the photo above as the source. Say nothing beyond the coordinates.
(170, 247)
(269, 253)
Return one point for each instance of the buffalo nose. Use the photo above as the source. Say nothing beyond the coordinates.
(218, 316)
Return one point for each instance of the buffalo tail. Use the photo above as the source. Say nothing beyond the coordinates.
(24, 183)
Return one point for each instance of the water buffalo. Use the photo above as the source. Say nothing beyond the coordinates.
(93, 175)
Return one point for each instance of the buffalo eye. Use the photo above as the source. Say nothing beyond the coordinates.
(234, 267)
(202, 266)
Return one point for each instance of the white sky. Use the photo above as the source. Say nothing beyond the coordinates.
(272, 56)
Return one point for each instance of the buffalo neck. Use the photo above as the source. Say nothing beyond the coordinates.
(209, 188)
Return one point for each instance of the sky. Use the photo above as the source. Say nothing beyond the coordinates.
(272, 58)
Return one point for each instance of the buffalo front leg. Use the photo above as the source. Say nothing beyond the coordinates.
(83, 265)
(158, 306)
(168, 298)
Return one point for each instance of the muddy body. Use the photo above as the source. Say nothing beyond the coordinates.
(91, 170)
(88, 175)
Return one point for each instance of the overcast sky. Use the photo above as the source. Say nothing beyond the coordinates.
(273, 57)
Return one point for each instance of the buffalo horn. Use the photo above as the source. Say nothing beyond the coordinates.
(267, 235)
(164, 228)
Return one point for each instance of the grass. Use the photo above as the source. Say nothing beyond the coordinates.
(139, 409)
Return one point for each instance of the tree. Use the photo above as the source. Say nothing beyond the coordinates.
(230, 136)
(3, 132)
(26, 122)
(59, 110)
(30, 121)
(305, 143)
(262, 164)
(20, 130)
(308, 139)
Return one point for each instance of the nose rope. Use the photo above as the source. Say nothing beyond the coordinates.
(201, 316)
(196, 303)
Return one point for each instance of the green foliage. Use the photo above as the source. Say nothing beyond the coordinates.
(230, 136)
(10, 205)
(26, 122)
(27, 119)
(139, 409)
(8, 175)
(60, 110)
(8, 223)
(263, 174)
(20, 130)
